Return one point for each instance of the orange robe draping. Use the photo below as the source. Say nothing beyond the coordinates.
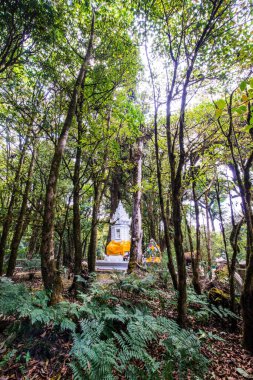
(117, 247)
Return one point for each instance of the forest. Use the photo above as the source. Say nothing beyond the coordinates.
(126, 167)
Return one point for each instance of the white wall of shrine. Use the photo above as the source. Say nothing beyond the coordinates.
(120, 224)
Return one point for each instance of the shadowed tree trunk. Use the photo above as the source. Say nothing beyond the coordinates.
(196, 258)
(208, 239)
(35, 238)
(59, 256)
(8, 219)
(189, 233)
(76, 196)
(33, 241)
(217, 189)
(20, 222)
(149, 201)
(234, 244)
(94, 228)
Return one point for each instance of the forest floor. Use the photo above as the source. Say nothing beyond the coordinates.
(45, 354)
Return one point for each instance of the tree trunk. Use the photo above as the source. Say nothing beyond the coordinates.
(188, 229)
(33, 241)
(136, 226)
(178, 244)
(176, 188)
(234, 244)
(247, 294)
(151, 217)
(50, 277)
(8, 219)
(68, 250)
(92, 250)
(20, 222)
(217, 189)
(208, 239)
(163, 213)
(159, 176)
(76, 201)
(195, 267)
(242, 176)
(61, 234)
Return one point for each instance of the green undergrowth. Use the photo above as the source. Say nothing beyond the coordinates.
(111, 335)
(200, 307)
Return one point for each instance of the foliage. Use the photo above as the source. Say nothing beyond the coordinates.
(13, 297)
(110, 339)
(118, 343)
(134, 283)
(202, 309)
(16, 300)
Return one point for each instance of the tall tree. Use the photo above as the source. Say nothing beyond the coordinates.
(51, 277)
(240, 100)
(186, 34)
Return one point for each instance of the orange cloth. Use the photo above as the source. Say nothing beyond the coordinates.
(117, 247)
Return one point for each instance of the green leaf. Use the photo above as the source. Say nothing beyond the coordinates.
(248, 128)
(221, 104)
(240, 110)
(251, 82)
(243, 85)
(218, 113)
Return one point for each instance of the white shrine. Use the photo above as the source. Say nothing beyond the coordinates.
(120, 224)
(120, 232)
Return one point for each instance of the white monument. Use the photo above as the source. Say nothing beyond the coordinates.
(120, 225)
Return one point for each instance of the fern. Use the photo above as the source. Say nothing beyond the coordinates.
(203, 309)
(13, 297)
(134, 283)
(112, 340)
(102, 350)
